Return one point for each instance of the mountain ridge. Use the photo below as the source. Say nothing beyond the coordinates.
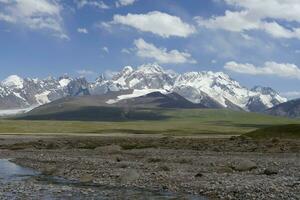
(211, 89)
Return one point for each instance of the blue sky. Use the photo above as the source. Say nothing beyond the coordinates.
(250, 40)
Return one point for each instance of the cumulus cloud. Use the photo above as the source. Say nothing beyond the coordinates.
(276, 9)
(231, 21)
(258, 15)
(286, 70)
(161, 55)
(121, 3)
(156, 22)
(94, 3)
(82, 30)
(36, 15)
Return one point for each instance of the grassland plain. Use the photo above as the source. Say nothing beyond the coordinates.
(177, 122)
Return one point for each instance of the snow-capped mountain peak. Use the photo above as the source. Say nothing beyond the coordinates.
(264, 90)
(148, 76)
(269, 92)
(121, 76)
(13, 81)
(151, 69)
(265, 97)
(100, 78)
(218, 86)
(64, 80)
(127, 70)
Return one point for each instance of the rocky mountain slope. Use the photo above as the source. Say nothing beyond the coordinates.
(212, 90)
(287, 109)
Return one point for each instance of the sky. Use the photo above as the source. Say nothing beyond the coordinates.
(255, 42)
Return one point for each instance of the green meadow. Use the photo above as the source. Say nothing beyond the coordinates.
(176, 122)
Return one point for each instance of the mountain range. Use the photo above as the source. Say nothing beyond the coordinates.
(204, 89)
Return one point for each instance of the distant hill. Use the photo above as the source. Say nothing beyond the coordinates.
(280, 131)
(287, 109)
(159, 100)
(113, 106)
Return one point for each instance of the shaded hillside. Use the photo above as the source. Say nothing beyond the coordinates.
(96, 114)
(159, 100)
(287, 109)
(281, 131)
(96, 108)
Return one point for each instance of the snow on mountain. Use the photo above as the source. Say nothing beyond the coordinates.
(43, 98)
(226, 91)
(218, 86)
(64, 82)
(134, 94)
(263, 98)
(18, 93)
(269, 93)
(77, 87)
(13, 81)
(209, 88)
(212, 89)
(150, 76)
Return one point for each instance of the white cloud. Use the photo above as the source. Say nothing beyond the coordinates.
(161, 55)
(286, 70)
(105, 49)
(278, 9)
(278, 31)
(156, 22)
(104, 25)
(291, 94)
(7, 18)
(258, 15)
(82, 30)
(231, 21)
(94, 3)
(126, 51)
(84, 72)
(121, 3)
(36, 15)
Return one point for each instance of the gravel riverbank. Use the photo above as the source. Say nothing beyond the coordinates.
(236, 168)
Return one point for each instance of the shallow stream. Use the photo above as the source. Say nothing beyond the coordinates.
(17, 182)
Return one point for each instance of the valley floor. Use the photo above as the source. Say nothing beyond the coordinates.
(216, 168)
